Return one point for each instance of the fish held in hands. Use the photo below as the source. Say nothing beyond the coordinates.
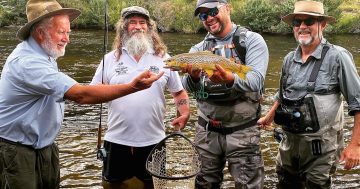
(206, 61)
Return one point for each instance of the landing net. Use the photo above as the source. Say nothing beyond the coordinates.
(174, 163)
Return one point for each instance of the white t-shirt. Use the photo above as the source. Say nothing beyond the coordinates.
(137, 119)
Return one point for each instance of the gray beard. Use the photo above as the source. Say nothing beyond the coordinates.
(305, 42)
(138, 43)
(50, 48)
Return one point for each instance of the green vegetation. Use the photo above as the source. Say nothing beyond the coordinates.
(177, 15)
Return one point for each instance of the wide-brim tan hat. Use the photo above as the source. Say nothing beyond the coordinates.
(37, 10)
(312, 8)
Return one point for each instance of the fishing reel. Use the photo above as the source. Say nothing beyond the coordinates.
(278, 134)
(101, 154)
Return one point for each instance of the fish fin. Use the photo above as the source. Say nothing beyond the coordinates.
(209, 72)
(173, 68)
(242, 71)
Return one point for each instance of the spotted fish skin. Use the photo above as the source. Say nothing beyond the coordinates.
(206, 61)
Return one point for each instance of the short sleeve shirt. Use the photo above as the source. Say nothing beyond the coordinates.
(31, 96)
(137, 119)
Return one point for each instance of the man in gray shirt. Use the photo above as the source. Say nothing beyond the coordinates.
(228, 107)
(309, 106)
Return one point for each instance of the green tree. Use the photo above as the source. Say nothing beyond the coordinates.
(12, 12)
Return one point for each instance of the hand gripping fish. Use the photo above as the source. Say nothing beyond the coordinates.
(206, 61)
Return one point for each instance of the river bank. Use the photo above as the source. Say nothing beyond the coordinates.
(77, 140)
(262, 16)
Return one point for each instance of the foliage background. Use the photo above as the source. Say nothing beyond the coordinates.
(177, 15)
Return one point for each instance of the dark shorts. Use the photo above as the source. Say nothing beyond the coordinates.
(24, 167)
(124, 162)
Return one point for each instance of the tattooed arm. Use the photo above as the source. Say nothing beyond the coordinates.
(181, 99)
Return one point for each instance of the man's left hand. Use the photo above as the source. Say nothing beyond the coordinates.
(222, 76)
(180, 121)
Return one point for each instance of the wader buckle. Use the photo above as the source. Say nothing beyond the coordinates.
(215, 123)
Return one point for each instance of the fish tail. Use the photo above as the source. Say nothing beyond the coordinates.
(245, 69)
(242, 71)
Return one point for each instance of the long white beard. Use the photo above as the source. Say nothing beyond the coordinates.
(138, 43)
(51, 48)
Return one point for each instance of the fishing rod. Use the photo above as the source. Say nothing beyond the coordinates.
(101, 152)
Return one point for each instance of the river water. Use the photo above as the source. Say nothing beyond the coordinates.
(78, 137)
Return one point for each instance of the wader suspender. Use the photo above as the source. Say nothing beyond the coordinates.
(314, 73)
(238, 41)
(240, 48)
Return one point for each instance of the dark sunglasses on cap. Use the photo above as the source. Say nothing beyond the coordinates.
(307, 22)
(211, 12)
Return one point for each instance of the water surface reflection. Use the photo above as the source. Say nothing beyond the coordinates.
(77, 140)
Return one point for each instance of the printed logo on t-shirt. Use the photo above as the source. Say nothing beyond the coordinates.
(154, 69)
(120, 69)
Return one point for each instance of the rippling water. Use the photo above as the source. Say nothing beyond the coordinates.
(78, 137)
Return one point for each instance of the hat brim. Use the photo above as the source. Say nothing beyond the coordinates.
(288, 18)
(24, 32)
(127, 15)
(206, 5)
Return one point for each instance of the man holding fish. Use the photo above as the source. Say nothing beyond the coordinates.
(228, 101)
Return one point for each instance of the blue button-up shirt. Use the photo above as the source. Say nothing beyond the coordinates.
(31, 96)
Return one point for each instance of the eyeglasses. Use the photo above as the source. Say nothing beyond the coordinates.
(307, 22)
(211, 12)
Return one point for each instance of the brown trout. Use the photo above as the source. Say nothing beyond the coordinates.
(206, 61)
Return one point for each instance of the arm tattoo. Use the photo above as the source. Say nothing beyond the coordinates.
(182, 102)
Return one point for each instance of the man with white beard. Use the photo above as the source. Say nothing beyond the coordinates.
(32, 96)
(136, 122)
(309, 105)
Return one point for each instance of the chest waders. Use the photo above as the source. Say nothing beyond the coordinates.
(299, 116)
(222, 96)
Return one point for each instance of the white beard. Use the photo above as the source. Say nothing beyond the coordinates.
(51, 48)
(306, 41)
(138, 43)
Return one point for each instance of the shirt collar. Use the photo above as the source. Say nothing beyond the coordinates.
(37, 48)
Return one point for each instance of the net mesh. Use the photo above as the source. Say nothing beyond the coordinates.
(174, 163)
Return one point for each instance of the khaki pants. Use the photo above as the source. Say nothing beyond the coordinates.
(24, 167)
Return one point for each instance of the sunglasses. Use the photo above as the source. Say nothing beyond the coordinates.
(211, 12)
(307, 22)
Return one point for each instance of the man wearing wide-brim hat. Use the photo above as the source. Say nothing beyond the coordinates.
(309, 106)
(32, 93)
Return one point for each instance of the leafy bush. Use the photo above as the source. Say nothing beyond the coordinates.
(177, 15)
(260, 15)
(348, 22)
(12, 12)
